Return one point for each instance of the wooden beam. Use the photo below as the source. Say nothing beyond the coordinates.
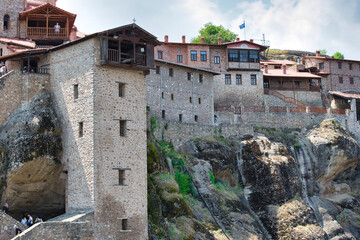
(47, 25)
(67, 26)
(27, 25)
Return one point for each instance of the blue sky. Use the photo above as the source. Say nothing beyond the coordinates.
(289, 24)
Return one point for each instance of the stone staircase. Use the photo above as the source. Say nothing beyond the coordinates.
(7, 223)
(75, 225)
(286, 99)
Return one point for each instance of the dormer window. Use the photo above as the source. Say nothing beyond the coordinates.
(6, 22)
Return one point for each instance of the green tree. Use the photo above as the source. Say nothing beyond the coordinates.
(211, 33)
(338, 55)
(323, 52)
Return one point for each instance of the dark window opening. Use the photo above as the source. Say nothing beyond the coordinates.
(253, 80)
(203, 56)
(121, 90)
(236, 55)
(157, 69)
(171, 72)
(160, 54)
(216, 59)
(81, 129)
(341, 80)
(122, 128)
(179, 58)
(163, 114)
(196, 118)
(200, 78)
(351, 80)
(189, 76)
(277, 67)
(6, 22)
(76, 91)
(233, 55)
(227, 79)
(339, 65)
(172, 97)
(190, 99)
(193, 55)
(162, 94)
(180, 117)
(350, 66)
(121, 177)
(297, 84)
(1, 52)
(124, 224)
(238, 79)
(321, 66)
(199, 100)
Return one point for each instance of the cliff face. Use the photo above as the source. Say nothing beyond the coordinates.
(31, 172)
(250, 187)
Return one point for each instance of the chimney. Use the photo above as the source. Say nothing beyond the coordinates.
(166, 38)
(237, 39)
(183, 39)
(219, 41)
(266, 68)
(202, 40)
(251, 40)
(284, 68)
(318, 53)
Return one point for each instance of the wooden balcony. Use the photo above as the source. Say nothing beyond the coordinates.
(46, 33)
(290, 88)
(125, 58)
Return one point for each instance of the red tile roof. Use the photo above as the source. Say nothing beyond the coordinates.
(289, 73)
(277, 62)
(18, 42)
(349, 95)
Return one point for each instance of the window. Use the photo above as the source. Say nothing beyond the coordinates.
(157, 69)
(171, 72)
(81, 129)
(351, 80)
(1, 53)
(254, 56)
(238, 79)
(162, 95)
(180, 117)
(350, 66)
(216, 52)
(179, 58)
(172, 97)
(253, 80)
(339, 65)
(196, 118)
(121, 177)
(321, 66)
(179, 51)
(122, 128)
(76, 91)
(244, 56)
(160, 54)
(193, 54)
(297, 84)
(124, 224)
(121, 89)
(163, 114)
(6, 22)
(200, 78)
(199, 100)
(227, 79)
(203, 56)
(341, 80)
(216, 59)
(190, 99)
(189, 76)
(277, 67)
(233, 55)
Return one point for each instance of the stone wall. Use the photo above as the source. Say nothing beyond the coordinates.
(11, 8)
(177, 91)
(113, 152)
(306, 97)
(7, 223)
(17, 87)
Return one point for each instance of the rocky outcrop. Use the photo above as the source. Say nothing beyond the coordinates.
(31, 172)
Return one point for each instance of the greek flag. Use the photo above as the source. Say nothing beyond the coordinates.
(242, 26)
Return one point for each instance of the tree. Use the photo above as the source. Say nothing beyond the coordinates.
(323, 52)
(338, 55)
(211, 33)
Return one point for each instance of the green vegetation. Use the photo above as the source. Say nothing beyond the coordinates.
(283, 135)
(153, 124)
(212, 178)
(147, 108)
(338, 55)
(184, 182)
(211, 33)
(323, 52)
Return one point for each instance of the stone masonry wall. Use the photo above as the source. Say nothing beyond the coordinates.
(7, 223)
(17, 87)
(11, 8)
(113, 152)
(181, 89)
(72, 66)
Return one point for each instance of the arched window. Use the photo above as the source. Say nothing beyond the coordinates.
(6, 22)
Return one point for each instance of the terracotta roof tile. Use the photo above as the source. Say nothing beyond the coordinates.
(289, 73)
(19, 42)
(348, 95)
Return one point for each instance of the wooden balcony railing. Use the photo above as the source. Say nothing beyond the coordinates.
(43, 32)
(114, 56)
(290, 88)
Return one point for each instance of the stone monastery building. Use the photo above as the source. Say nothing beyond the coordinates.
(104, 85)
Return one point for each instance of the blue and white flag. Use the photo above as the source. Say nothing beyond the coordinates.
(242, 25)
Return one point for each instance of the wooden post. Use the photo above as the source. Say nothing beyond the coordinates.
(293, 85)
(27, 25)
(28, 64)
(67, 27)
(134, 51)
(119, 48)
(47, 25)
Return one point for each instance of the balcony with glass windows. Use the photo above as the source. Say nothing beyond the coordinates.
(240, 59)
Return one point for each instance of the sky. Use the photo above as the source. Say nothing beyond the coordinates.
(306, 25)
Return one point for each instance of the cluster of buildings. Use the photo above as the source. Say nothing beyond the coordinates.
(101, 84)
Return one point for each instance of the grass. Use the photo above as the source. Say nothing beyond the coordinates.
(212, 178)
(153, 124)
(283, 135)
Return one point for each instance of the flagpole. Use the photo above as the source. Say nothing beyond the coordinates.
(245, 30)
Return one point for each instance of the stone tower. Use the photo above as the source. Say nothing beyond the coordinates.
(9, 15)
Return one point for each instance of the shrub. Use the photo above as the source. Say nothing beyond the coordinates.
(212, 178)
(153, 124)
(184, 182)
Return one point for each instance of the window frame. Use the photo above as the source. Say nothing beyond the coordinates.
(157, 69)
(227, 79)
(238, 79)
(216, 59)
(201, 78)
(171, 72)
(351, 80)
(253, 79)
(6, 22)
(160, 54)
(76, 91)
(339, 65)
(179, 58)
(121, 88)
(193, 55)
(122, 128)
(189, 76)
(203, 56)
(341, 79)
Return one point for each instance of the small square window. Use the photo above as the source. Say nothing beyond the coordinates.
(238, 79)
(200, 78)
(227, 79)
(163, 114)
(121, 177)
(189, 76)
(350, 66)
(216, 52)
(160, 54)
(203, 56)
(193, 55)
(180, 117)
(76, 91)
(253, 80)
(351, 80)
(171, 72)
(122, 128)
(196, 118)
(157, 69)
(179, 51)
(339, 65)
(179, 58)
(341, 80)
(321, 65)
(81, 129)
(216, 59)
(121, 89)
(124, 224)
